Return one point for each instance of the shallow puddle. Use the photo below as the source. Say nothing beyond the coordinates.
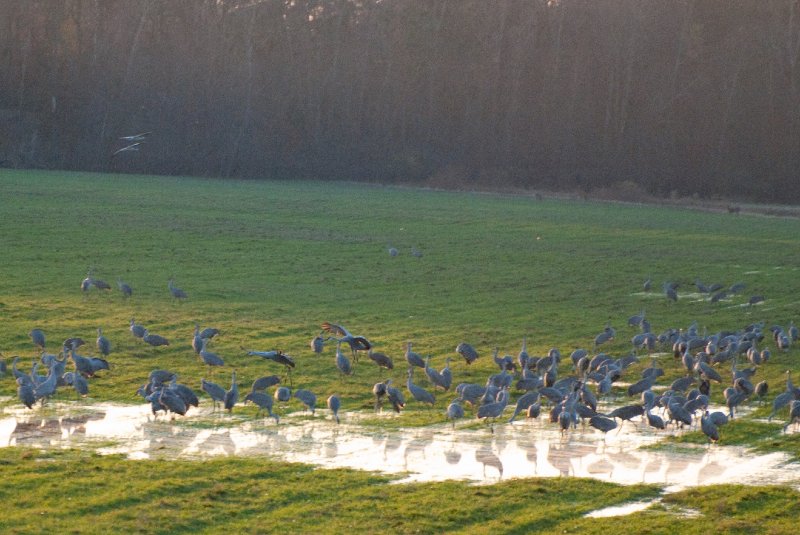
(527, 448)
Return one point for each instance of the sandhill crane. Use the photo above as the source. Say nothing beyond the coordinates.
(159, 377)
(137, 330)
(603, 337)
(46, 388)
(232, 394)
(82, 364)
(356, 343)
(393, 251)
(506, 362)
(707, 371)
(446, 375)
(186, 394)
(671, 290)
(38, 338)
(209, 358)
(737, 287)
(794, 414)
(381, 359)
(125, 288)
(523, 357)
(525, 400)
(467, 351)
(77, 382)
(25, 392)
(277, 356)
(793, 332)
(215, 392)
(493, 410)
(379, 391)
(470, 392)
(626, 412)
(131, 147)
(208, 333)
(172, 401)
(307, 398)
(413, 359)
(454, 411)
(343, 363)
(783, 399)
(283, 394)
(434, 376)
(733, 397)
(154, 340)
(101, 284)
(103, 345)
(641, 386)
(264, 403)
(394, 396)
(197, 340)
(654, 420)
(96, 364)
(602, 423)
(417, 392)
(636, 319)
(709, 429)
(262, 383)
(176, 292)
(333, 405)
(761, 390)
(317, 343)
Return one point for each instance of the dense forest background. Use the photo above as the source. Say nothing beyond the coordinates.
(673, 97)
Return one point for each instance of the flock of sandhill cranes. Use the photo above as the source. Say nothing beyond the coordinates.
(574, 398)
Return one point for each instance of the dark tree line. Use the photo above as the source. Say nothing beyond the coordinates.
(692, 96)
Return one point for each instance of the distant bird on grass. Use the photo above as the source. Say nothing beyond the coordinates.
(103, 345)
(211, 359)
(381, 359)
(317, 343)
(176, 292)
(154, 340)
(467, 351)
(38, 338)
(137, 330)
(125, 288)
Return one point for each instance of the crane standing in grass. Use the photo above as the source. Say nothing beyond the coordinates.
(176, 292)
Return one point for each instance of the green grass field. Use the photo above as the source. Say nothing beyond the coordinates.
(267, 262)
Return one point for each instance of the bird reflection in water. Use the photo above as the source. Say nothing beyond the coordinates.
(486, 457)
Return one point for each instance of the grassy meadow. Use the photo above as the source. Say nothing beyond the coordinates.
(267, 262)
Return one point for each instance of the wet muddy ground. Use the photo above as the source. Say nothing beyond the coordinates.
(527, 448)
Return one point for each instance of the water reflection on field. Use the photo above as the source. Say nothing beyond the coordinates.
(528, 448)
